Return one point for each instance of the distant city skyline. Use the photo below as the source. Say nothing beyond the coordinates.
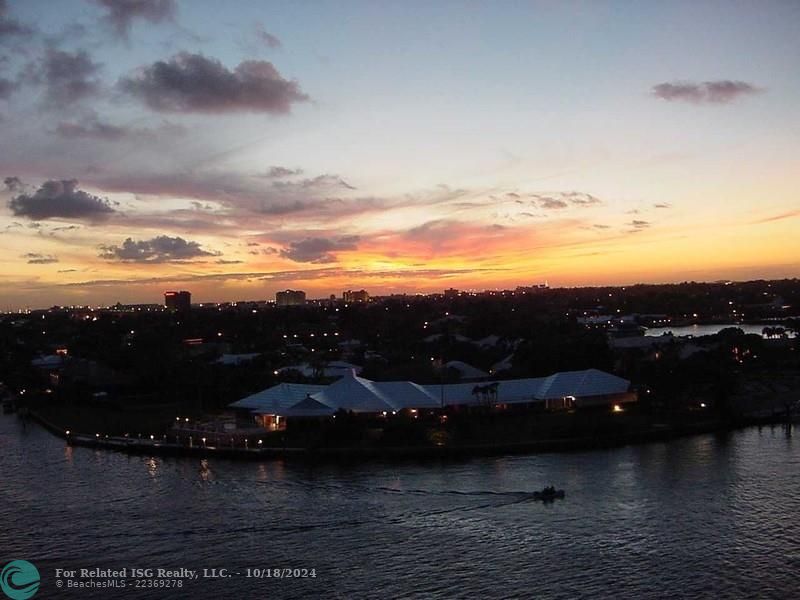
(331, 146)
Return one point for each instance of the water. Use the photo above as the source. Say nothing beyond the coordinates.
(708, 516)
(698, 330)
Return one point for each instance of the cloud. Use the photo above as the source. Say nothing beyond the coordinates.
(67, 77)
(581, 198)
(13, 184)
(662, 205)
(40, 259)
(560, 200)
(319, 250)
(266, 38)
(318, 182)
(222, 261)
(243, 197)
(91, 129)
(122, 13)
(275, 172)
(59, 199)
(780, 217)
(552, 203)
(193, 83)
(161, 249)
(708, 92)
(637, 224)
(10, 27)
(94, 129)
(7, 87)
(314, 274)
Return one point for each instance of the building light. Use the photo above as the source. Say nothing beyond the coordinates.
(617, 408)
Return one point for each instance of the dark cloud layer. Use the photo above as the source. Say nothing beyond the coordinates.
(708, 92)
(318, 250)
(67, 77)
(122, 13)
(194, 83)
(160, 249)
(57, 199)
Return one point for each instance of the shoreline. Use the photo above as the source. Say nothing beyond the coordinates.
(360, 453)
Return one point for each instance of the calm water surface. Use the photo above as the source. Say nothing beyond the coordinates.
(708, 516)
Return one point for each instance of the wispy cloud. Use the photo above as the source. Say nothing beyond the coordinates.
(92, 128)
(266, 38)
(779, 217)
(35, 258)
(121, 14)
(67, 77)
(720, 91)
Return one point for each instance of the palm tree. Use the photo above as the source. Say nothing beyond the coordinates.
(492, 389)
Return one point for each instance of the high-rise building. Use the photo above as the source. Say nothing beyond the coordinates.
(178, 301)
(290, 298)
(355, 296)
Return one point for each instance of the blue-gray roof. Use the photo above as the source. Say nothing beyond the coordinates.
(360, 395)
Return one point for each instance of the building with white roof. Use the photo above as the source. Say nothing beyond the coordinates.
(565, 390)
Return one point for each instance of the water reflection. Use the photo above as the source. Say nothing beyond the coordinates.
(152, 466)
(205, 471)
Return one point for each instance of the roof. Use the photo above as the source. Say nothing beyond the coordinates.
(511, 391)
(591, 382)
(360, 395)
(277, 399)
(309, 407)
(355, 393)
(406, 394)
(51, 360)
(466, 371)
(236, 359)
(334, 368)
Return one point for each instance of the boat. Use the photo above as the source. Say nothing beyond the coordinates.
(548, 494)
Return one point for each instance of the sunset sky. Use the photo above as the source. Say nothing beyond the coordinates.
(237, 148)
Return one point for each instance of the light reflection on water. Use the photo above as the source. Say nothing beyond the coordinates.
(708, 516)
